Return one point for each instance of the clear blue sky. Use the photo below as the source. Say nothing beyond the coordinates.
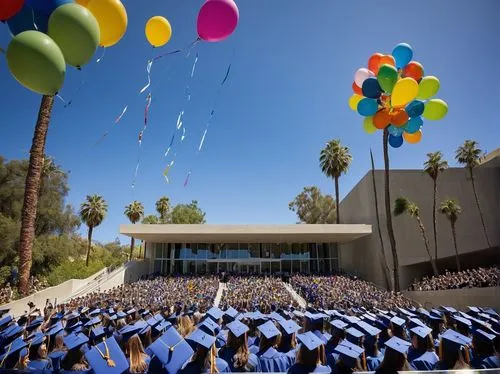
(292, 68)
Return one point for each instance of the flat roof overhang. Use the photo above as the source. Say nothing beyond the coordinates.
(300, 233)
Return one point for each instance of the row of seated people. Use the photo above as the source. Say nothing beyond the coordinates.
(469, 278)
(113, 338)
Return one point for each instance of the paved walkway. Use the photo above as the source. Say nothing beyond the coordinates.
(218, 296)
(299, 299)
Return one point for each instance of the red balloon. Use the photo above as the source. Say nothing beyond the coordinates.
(356, 89)
(374, 62)
(381, 119)
(9, 8)
(399, 117)
(414, 70)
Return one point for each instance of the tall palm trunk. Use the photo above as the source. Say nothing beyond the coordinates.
(434, 220)
(479, 207)
(427, 247)
(383, 259)
(454, 234)
(89, 244)
(388, 213)
(337, 205)
(132, 244)
(31, 191)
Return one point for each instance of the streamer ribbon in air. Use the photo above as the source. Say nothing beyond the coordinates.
(148, 70)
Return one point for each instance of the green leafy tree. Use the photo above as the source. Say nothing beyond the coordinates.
(469, 155)
(187, 214)
(150, 219)
(92, 213)
(433, 167)
(334, 161)
(134, 212)
(451, 209)
(163, 208)
(312, 207)
(403, 205)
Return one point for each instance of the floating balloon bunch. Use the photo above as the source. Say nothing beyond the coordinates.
(48, 34)
(394, 94)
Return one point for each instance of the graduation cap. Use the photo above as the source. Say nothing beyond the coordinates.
(397, 344)
(474, 309)
(491, 312)
(276, 317)
(162, 326)
(75, 341)
(289, 326)
(72, 316)
(209, 326)
(421, 331)
(464, 322)
(415, 322)
(83, 309)
(144, 327)
(153, 321)
(145, 313)
(368, 329)
(201, 338)
(12, 333)
(36, 339)
(16, 347)
(107, 357)
(398, 321)
(351, 319)
(324, 336)
(231, 312)
(95, 312)
(215, 313)
(34, 324)
(130, 311)
(315, 317)
(298, 313)
(4, 321)
(406, 312)
(453, 340)
(56, 318)
(449, 309)
(483, 336)
(93, 322)
(353, 335)
(338, 325)
(349, 353)
(171, 350)
(97, 333)
(309, 340)
(55, 359)
(269, 330)
(423, 311)
(237, 328)
(118, 315)
(436, 312)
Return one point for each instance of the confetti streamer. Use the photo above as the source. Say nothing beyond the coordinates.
(227, 75)
(167, 170)
(170, 145)
(194, 66)
(202, 140)
(148, 70)
(102, 55)
(118, 119)
(33, 18)
(140, 137)
(61, 98)
(136, 172)
(187, 179)
(179, 120)
(183, 134)
(146, 110)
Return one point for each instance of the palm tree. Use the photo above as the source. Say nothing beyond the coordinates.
(163, 208)
(334, 160)
(403, 205)
(382, 248)
(433, 166)
(388, 215)
(92, 213)
(134, 212)
(31, 191)
(469, 155)
(451, 209)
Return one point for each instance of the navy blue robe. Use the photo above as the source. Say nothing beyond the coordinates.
(253, 364)
(305, 369)
(273, 361)
(194, 368)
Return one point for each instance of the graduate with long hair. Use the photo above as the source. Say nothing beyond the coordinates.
(236, 352)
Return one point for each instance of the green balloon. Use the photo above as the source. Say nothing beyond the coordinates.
(36, 62)
(435, 109)
(387, 77)
(76, 32)
(428, 87)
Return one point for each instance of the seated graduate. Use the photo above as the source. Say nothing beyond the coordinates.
(170, 352)
(484, 350)
(236, 352)
(453, 351)
(107, 358)
(37, 353)
(422, 355)
(373, 356)
(138, 359)
(309, 358)
(270, 359)
(15, 355)
(74, 360)
(395, 356)
(398, 328)
(185, 325)
(288, 341)
(351, 358)
(204, 359)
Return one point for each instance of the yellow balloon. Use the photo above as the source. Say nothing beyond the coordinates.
(404, 91)
(158, 31)
(368, 125)
(354, 100)
(413, 138)
(83, 3)
(112, 18)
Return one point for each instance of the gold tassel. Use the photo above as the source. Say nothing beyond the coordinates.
(364, 360)
(467, 356)
(212, 359)
(6, 355)
(440, 349)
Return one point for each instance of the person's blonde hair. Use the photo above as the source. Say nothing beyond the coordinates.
(185, 326)
(137, 355)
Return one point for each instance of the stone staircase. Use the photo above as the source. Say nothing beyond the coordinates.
(218, 296)
(299, 299)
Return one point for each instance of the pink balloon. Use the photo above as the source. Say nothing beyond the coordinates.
(362, 75)
(217, 20)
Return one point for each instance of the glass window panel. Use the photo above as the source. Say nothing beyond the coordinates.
(194, 250)
(295, 266)
(178, 250)
(274, 250)
(304, 266)
(254, 249)
(157, 266)
(243, 250)
(314, 265)
(334, 253)
(266, 267)
(202, 251)
(295, 251)
(266, 250)
(286, 266)
(275, 267)
(201, 267)
(158, 252)
(232, 250)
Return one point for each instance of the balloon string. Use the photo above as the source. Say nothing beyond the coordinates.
(102, 55)
(82, 83)
(33, 18)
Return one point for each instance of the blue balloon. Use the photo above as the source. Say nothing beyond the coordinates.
(396, 131)
(47, 6)
(367, 107)
(415, 108)
(402, 54)
(395, 141)
(371, 88)
(413, 125)
(28, 19)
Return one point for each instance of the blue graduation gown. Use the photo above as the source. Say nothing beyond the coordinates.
(253, 349)
(55, 360)
(426, 362)
(39, 365)
(331, 360)
(372, 363)
(481, 362)
(193, 367)
(291, 355)
(253, 364)
(304, 369)
(273, 361)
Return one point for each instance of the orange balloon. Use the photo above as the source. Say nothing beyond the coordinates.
(381, 119)
(414, 70)
(387, 59)
(413, 138)
(399, 117)
(374, 62)
(356, 89)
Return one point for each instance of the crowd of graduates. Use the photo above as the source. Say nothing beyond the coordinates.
(140, 328)
(478, 277)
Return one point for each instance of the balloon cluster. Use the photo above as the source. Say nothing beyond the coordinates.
(48, 34)
(394, 94)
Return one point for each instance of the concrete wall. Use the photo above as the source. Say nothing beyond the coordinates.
(488, 296)
(358, 206)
